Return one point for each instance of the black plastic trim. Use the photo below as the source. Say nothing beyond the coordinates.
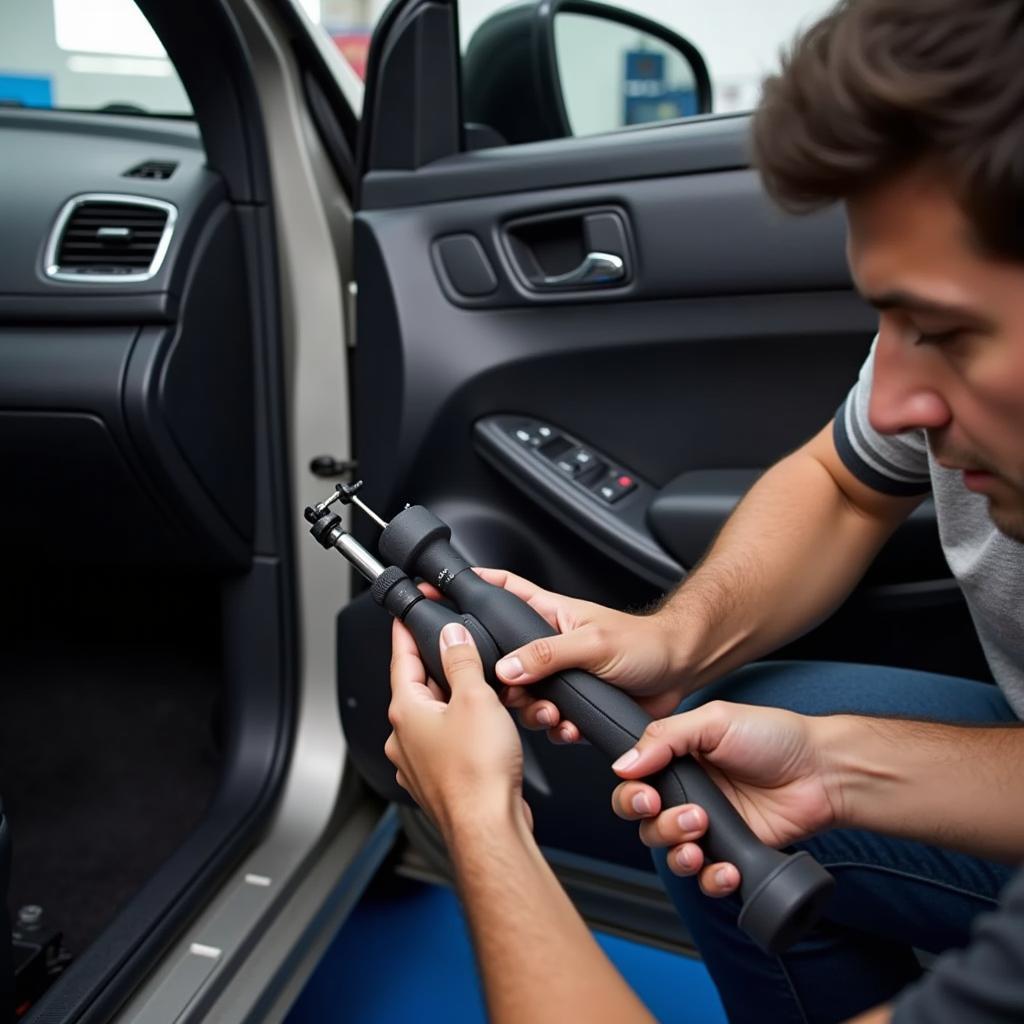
(688, 512)
(528, 288)
(412, 104)
(679, 147)
(149, 308)
(619, 530)
(40, 184)
(330, 129)
(6, 958)
(207, 48)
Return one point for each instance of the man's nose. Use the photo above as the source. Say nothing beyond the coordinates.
(906, 392)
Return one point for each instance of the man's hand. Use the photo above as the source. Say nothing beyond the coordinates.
(640, 654)
(773, 765)
(461, 761)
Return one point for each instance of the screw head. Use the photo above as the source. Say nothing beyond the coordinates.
(30, 915)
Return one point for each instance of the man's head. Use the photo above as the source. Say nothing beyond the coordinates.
(912, 112)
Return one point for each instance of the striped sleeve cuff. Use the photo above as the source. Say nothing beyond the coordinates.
(867, 465)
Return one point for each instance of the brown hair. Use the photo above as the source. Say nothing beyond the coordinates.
(879, 85)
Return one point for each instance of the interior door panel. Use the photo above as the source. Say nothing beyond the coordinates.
(732, 337)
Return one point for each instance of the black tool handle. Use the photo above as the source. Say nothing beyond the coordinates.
(425, 619)
(782, 894)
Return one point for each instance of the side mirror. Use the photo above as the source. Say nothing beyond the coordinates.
(557, 68)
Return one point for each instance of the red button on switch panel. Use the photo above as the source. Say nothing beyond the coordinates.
(615, 486)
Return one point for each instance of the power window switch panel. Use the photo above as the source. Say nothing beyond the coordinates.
(533, 434)
(615, 487)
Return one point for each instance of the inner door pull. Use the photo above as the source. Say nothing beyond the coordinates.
(597, 268)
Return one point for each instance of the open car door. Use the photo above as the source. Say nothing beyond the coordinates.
(580, 352)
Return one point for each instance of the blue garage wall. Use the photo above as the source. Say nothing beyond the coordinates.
(26, 90)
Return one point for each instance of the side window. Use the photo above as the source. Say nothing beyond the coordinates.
(349, 25)
(95, 55)
(550, 69)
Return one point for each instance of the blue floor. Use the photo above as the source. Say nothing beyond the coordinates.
(404, 954)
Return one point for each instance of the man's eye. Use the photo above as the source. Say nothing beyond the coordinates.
(938, 337)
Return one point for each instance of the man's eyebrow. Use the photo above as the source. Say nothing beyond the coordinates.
(920, 304)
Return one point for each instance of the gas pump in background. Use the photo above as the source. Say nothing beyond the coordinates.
(648, 95)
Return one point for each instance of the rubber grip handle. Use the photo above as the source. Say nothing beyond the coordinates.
(782, 894)
(425, 619)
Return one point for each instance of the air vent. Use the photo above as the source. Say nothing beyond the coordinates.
(154, 170)
(109, 238)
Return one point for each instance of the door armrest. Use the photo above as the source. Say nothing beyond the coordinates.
(687, 513)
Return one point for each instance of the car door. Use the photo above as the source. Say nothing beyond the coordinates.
(172, 357)
(591, 433)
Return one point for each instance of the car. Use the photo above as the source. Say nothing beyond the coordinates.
(577, 337)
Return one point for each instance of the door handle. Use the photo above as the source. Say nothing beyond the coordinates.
(597, 268)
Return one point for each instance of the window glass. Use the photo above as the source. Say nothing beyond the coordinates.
(85, 55)
(349, 23)
(612, 74)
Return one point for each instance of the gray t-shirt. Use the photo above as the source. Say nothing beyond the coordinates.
(982, 984)
(987, 564)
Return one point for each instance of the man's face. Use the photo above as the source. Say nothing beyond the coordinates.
(950, 355)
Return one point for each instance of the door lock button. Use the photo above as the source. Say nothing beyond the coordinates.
(615, 486)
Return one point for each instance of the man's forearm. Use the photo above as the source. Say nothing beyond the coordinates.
(538, 959)
(786, 558)
(955, 786)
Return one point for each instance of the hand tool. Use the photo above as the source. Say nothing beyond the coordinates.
(782, 894)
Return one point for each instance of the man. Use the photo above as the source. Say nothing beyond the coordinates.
(911, 113)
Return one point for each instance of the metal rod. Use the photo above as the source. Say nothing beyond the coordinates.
(348, 546)
(324, 505)
(369, 511)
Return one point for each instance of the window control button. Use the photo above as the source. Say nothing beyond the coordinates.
(578, 462)
(615, 486)
(533, 434)
(590, 465)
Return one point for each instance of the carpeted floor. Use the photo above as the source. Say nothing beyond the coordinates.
(404, 955)
(104, 768)
(107, 757)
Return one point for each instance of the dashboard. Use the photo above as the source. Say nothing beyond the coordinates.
(126, 365)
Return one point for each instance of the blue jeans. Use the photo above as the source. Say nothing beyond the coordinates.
(892, 896)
